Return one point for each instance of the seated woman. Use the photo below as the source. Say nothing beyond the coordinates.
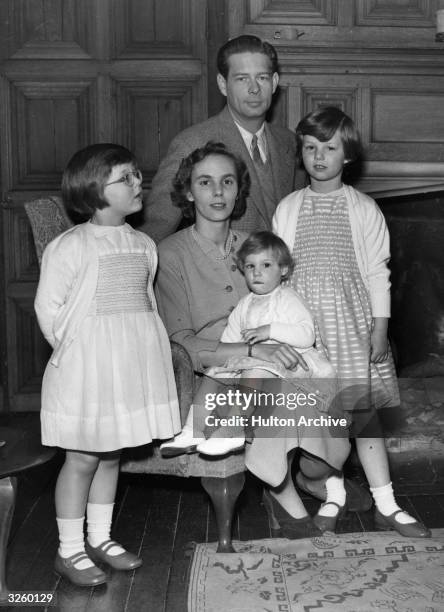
(198, 285)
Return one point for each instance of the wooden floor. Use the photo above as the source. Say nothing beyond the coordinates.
(159, 518)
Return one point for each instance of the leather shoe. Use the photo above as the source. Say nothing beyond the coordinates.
(183, 444)
(408, 530)
(91, 576)
(328, 523)
(285, 525)
(358, 498)
(123, 561)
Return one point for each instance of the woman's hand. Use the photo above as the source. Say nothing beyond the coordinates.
(256, 334)
(281, 354)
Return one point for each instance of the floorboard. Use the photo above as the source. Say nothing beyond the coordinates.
(160, 518)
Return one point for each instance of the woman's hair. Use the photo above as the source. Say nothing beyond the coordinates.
(86, 174)
(262, 241)
(182, 180)
(245, 44)
(323, 124)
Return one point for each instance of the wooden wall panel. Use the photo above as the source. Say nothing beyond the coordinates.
(375, 59)
(395, 112)
(404, 13)
(74, 72)
(49, 120)
(44, 28)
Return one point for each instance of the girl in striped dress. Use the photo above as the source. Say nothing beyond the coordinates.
(109, 383)
(340, 245)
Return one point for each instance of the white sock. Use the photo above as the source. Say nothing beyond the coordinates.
(386, 504)
(335, 493)
(99, 518)
(72, 540)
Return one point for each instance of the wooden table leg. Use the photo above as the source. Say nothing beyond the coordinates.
(8, 490)
(223, 493)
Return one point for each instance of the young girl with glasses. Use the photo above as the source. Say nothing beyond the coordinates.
(109, 383)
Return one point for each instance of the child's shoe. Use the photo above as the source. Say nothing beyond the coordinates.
(220, 446)
(124, 561)
(183, 444)
(88, 577)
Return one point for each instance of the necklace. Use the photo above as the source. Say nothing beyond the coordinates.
(228, 243)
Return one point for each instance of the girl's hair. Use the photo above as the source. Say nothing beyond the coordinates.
(245, 44)
(182, 180)
(261, 241)
(86, 174)
(323, 124)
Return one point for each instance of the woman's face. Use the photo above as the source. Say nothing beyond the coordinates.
(214, 188)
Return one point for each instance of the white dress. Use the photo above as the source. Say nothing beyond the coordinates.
(114, 387)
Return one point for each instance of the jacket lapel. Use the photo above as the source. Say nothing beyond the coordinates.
(230, 135)
(282, 162)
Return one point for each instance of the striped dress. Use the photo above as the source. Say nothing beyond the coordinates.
(327, 276)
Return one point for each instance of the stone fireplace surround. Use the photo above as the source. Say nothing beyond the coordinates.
(415, 435)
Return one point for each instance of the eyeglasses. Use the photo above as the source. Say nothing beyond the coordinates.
(128, 178)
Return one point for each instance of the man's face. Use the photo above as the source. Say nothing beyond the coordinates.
(249, 86)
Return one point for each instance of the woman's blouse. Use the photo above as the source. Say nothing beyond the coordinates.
(197, 289)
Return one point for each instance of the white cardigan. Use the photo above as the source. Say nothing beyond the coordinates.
(370, 240)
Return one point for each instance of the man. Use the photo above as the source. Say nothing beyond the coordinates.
(247, 77)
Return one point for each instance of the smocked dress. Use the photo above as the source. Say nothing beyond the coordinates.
(114, 386)
(327, 276)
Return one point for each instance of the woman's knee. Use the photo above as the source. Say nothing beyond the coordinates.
(313, 467)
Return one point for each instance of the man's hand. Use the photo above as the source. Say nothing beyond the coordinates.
(256, 334)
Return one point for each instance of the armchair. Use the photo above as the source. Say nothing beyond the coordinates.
(223, 479)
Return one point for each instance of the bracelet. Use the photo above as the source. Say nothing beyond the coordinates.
(250, 350)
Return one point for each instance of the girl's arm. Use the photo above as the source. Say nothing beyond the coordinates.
(377, 246)
(293, 323)
(56, 279)
(379, 340)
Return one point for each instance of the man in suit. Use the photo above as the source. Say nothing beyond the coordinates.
(247, 77)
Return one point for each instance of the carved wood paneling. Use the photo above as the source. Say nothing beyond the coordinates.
(48, 28)
(344, 99)
(404, 13)
(48, 122)
(157, 27)
(302, 12)
(169, 108)
(395, 112)
(74, 72)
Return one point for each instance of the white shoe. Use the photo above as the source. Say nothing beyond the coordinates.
(183, 444)
(220, 446)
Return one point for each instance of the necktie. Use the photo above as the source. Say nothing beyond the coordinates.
(255, 153)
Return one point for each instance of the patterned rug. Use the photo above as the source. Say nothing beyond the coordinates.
(355, 572)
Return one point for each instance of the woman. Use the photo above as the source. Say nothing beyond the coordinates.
(198, 285)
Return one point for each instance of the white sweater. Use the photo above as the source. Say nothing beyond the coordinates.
(370, 240)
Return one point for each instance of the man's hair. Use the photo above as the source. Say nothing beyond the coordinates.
(262, 241)
(245, 44)
(323, 124)
(86, 174)
(182, 180)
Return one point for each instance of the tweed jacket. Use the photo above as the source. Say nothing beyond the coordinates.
(162, 217)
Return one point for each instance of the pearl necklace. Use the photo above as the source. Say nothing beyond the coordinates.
(228, 244)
